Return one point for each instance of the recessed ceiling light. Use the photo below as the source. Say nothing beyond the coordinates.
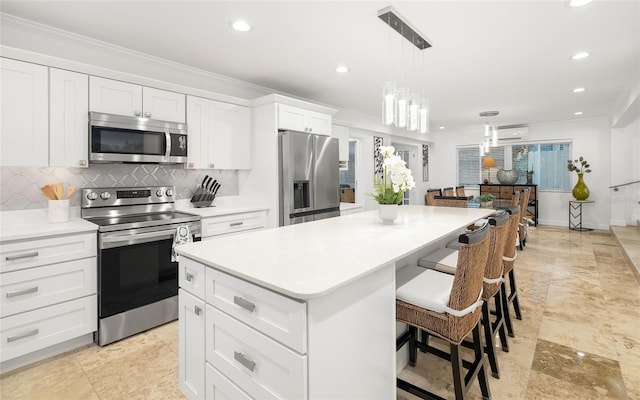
(579, 3)
(581, 55)
(442, 127)
(578, 90)
(241, 26)
(578, 113)
(342, 69)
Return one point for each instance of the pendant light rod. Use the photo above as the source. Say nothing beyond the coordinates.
(391, 17)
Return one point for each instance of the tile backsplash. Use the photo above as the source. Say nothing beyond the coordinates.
(20, 186)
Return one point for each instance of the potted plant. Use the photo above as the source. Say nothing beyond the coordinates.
(486, 200)
(581, 166)
(390, 187)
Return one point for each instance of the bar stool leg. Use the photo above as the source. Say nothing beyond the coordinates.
(500, 323)
(513, 295)
(456, 366)
(505, 310)
(482, 374)
(490, 347)
(413, 350)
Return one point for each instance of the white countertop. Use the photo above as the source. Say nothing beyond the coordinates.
(311, 259)
(222, 206)
(32, 224)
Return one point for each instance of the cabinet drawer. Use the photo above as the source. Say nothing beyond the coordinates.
(227, 224)
(191, 277)
(34, 330)
(277, 316)
(264, 368)
(37, 252)
(506, 192)
(42, 286)
(494, 190)
(221, 388)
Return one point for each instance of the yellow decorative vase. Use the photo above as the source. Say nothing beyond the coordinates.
(580, 190)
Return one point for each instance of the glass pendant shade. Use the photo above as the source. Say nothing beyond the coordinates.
(412, 116)
(388, 102)
(494, 137)
(486, 130)
(424, 116)
(402, 100)
(481, 149)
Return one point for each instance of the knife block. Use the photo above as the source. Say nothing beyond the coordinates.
(202, 198)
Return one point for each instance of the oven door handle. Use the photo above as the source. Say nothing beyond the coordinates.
(111, 240)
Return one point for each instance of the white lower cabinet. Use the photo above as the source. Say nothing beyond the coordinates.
(191, 322)
(47, 294)
(43, 327)
(233, 223)
(221, 388)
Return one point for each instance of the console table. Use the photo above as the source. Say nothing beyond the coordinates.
(504, 192)
(575, 215)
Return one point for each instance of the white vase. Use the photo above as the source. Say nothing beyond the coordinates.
(388, 213)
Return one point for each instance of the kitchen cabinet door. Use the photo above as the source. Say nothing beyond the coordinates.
(219, 135)
(163, 105)
(230, 141)
(198, 119)
(115, 97)
(191, 354)
(24, 114)
(68, 127)
(301, 120)
(342, 133)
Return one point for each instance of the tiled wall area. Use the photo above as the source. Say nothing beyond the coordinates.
(20, 186)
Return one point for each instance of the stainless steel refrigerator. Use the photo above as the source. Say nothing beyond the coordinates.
(309, 177)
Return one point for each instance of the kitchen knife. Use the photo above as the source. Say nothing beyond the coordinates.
(212, 186)
(216, 190)
(203, 187)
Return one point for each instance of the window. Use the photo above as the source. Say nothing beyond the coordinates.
(544, 164)
(348, 176)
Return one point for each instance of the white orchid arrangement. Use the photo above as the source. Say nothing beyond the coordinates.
(396, 178)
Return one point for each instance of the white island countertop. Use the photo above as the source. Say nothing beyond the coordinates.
(312, 259)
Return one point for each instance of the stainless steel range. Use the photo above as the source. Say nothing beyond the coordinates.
(137, 270)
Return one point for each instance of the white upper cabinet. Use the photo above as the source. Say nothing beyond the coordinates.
(301, 120)
(116, 97)
(219, 135)
(163, 105)
(24, 114)
(68, 128)
(342, 133)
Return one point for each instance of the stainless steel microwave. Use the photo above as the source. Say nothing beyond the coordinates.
(120, 138)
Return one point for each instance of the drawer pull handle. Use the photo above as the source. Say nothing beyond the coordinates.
(247, 305)
(189, 277)
(22, 335)
(20, 292)
(19, 256)
(236, 223)
(248, 364)
(197, 310)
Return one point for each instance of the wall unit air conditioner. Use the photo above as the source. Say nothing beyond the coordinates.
(512, 133)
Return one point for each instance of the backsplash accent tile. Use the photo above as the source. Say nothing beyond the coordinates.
(20, 186)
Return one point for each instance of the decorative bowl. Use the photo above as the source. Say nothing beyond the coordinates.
(507, 177)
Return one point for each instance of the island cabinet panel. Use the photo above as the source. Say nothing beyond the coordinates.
(221, 388)
(191, 321)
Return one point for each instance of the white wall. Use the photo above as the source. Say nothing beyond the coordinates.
(590, 138)
(625, 168)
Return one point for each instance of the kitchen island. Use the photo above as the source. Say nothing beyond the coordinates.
(303, 311)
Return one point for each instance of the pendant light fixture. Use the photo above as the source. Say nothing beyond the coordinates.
(490, 133)
(401, 106)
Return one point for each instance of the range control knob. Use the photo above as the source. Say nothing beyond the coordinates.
(92, 195)
(159, 193)
(105, 195)
(169, 192)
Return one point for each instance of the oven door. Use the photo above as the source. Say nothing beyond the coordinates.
(135, 268)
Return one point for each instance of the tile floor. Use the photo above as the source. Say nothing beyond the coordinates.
(579, 337)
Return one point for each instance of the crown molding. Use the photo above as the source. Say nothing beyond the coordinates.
(71, 37)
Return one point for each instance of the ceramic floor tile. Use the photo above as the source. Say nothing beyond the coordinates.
(581, 336)
(599, 375)
(135, 372)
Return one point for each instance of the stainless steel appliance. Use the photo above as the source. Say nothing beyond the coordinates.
(309, 177)
(137, 278)
(119, 138)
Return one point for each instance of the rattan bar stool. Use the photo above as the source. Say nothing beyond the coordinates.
(492, 284)
(431, 193)
(523, 224)
(447, 306)
(460, 191)
(448, 191)
(510, 256)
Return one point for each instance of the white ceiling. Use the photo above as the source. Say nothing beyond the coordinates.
(511, 56)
